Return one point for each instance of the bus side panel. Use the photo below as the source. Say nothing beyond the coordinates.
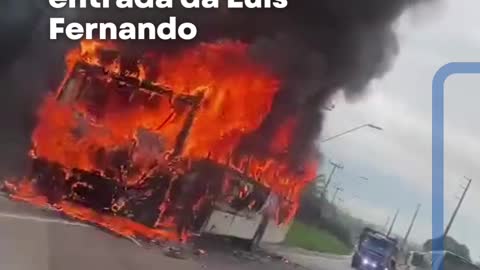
(223, 223)
(218, 223)
(245, 227)
(275, 233)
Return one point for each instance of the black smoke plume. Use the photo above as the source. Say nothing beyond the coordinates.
(318, 47)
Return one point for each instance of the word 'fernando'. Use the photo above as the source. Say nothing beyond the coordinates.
(125, 31)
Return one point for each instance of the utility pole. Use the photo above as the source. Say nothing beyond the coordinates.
(386, 224)
(393, 222)
(337, 189)
(454, 215)
(411, 226)
(332, 172)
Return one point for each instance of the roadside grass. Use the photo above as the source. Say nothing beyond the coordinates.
(310, 238)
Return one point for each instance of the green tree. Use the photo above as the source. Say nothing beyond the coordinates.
(313, 209)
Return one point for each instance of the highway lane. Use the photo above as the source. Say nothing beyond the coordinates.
(32, 239)
(312, 260)
(321, 262)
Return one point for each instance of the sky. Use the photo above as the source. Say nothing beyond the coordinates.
(397, 160)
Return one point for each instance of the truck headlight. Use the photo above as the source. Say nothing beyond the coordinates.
(365, 261)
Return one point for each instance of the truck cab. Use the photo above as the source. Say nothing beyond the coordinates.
(375, 250)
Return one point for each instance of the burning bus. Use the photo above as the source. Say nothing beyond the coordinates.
(149, 147)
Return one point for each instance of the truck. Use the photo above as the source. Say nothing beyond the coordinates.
(375, 250)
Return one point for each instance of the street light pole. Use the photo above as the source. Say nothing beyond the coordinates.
(411, 226)
(386, 224)
(393, 222)
(352, 130)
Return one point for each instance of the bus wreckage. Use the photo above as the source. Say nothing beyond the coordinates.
(119, 151)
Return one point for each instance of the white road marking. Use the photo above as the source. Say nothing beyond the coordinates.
(42, 219)
(58, 221)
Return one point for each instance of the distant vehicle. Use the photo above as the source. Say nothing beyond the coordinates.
(432, 260)
(375, 250)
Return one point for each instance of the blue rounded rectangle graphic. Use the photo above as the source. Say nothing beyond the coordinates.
(438, 94)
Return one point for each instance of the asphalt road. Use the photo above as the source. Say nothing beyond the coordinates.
(32, 239)
(313, 260)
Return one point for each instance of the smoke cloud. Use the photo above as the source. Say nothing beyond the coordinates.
(317, 47)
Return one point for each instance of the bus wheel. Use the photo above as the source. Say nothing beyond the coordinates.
(394, 265)
(254, 242)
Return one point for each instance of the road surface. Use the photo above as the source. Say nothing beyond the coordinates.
(32, 239)
(312, 260)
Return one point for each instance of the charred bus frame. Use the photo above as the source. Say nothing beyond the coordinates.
(223, 216)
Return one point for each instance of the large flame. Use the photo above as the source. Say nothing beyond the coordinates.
(236, 95)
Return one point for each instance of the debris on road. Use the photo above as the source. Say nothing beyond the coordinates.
(200, 252)
(175, 252)
(157, 243)
(244, 255)
(135, 241)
